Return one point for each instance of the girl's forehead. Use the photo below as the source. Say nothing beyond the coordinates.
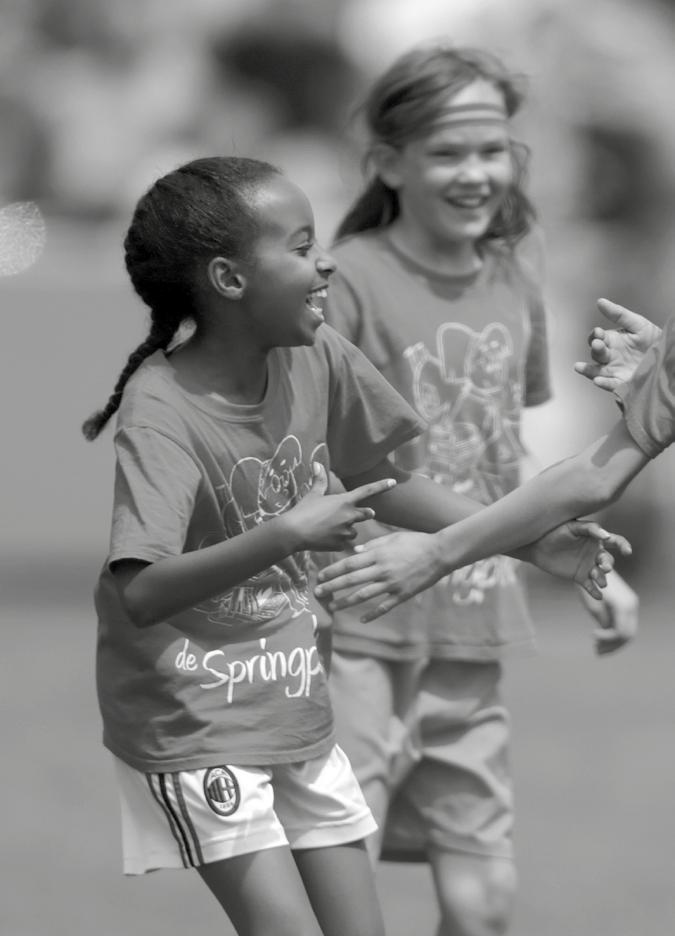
(282, 206)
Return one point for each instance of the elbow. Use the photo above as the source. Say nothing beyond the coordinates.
(138, 612)
(134, 594)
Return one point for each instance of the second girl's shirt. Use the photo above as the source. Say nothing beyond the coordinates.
(236, 678)
(467, 353)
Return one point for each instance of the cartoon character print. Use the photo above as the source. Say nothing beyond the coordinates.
(256, 491)
(470, 396)
(469, 393)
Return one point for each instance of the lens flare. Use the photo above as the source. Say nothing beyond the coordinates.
(22, 237)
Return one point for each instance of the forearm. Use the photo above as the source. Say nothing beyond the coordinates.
(155, 591)
(572, 488)
(416, 503)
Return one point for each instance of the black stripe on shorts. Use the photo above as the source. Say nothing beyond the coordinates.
(182, 836)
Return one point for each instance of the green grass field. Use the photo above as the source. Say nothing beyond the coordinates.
(593, 756)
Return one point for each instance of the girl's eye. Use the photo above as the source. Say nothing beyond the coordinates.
(303, 249)
(446, 154)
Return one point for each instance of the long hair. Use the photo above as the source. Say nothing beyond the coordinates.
(406, 101)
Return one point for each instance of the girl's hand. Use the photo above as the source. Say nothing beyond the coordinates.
(616, 613)
(322, 521)
(617, 352)
(578, 550)
(396, 566)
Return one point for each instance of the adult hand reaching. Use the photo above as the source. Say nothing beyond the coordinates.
(398, 566)
(617, 352)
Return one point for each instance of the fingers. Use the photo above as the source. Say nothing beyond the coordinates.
(607, 642)
(619, 315)
(364, 513)
(373, 590)
(586, 370)
(618, 544)
(360, 560)
(599, 350)
(338, 582)
(604, 561)
(319, 479)
(610, 541)
(591, 588)
(383, 607)
(369, 490)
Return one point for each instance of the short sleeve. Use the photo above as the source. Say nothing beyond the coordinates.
(156, 484)
(537, 364)
(648, 399)
(367, 418)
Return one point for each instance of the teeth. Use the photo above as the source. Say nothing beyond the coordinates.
(316, 294)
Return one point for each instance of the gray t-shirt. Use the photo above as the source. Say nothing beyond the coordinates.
(467, 352)
(236, 678)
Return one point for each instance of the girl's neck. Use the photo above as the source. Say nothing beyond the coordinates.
(222, 368)
(458, 258)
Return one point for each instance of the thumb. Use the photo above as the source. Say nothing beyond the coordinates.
(319, 479)
(619, 315)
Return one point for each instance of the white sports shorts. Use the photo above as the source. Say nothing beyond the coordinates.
(192, 817)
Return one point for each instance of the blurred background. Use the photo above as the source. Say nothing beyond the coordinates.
(96, 100)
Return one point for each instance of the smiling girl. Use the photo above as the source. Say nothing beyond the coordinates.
(433, 286)
(212, 691)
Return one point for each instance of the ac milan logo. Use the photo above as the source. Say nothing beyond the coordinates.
(221, 791)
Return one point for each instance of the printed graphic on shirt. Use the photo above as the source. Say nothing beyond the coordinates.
(256, 491)
(469, 391)
(295, 667)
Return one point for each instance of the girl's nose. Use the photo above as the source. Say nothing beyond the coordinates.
(325, 264)
(472, 170)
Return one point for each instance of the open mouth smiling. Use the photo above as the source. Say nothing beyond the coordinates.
(316, 299)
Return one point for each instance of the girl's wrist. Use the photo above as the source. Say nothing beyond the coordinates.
(287, 533)
(442, 553)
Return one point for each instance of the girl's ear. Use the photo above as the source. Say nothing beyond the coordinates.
(386, 160)
(226, 278)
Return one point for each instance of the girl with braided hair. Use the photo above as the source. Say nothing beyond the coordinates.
(211, 688)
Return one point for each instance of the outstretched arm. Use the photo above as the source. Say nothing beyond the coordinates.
(617, 352)
(402, 564)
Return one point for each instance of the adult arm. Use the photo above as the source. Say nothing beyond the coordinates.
(402, 564)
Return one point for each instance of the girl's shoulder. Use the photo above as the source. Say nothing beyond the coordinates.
(151, 397)
(521, 263)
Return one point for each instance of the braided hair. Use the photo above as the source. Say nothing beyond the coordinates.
(403, 104)
(197, 211)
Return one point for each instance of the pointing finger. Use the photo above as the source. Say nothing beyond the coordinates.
(370, 490)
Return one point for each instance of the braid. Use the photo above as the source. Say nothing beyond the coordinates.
(200, 210)
(159, 337)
